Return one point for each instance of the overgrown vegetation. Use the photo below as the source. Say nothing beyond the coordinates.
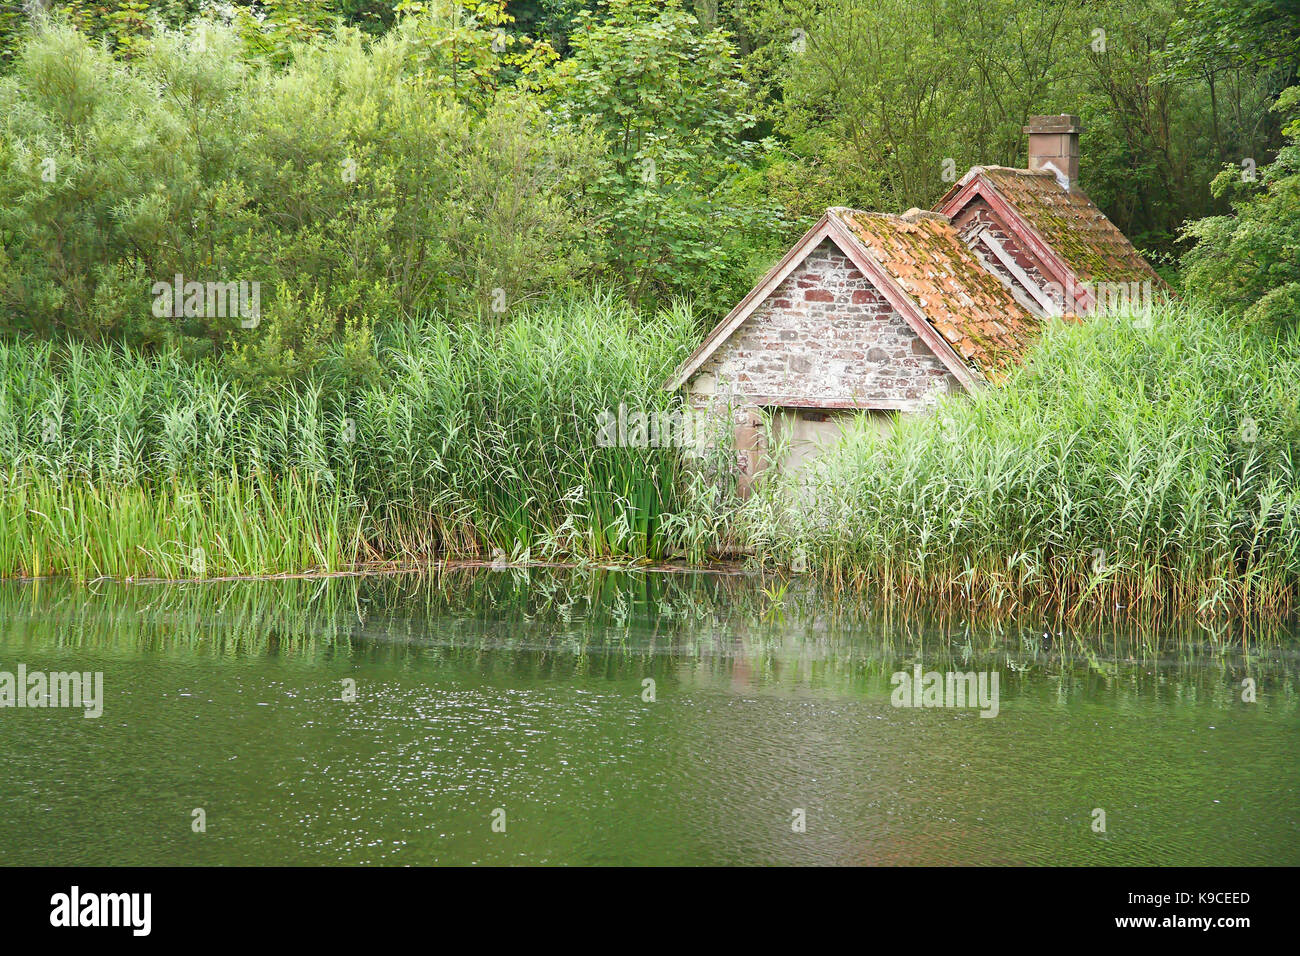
(1140, 466)
(430, 195)
(471, 439)
(346, 185)
(1249, 262)
(364, 164)
(444, 164)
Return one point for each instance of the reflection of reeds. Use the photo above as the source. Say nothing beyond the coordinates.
(627, 625)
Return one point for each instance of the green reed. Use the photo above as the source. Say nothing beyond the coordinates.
(1127, 468)
(231, 526)
(471, 439)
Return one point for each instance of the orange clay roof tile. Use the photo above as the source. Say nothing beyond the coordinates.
(966, 304)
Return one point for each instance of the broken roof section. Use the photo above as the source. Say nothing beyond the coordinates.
(968, 305)
(1063, 217)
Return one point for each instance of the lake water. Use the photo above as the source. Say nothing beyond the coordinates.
(519, 699)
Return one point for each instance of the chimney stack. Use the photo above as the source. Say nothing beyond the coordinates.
(1055, 140)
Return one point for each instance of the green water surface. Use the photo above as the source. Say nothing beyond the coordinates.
(520, 696)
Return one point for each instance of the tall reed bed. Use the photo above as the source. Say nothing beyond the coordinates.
(486, 437)
(473, 439)
(1125, 467)
(232, 525)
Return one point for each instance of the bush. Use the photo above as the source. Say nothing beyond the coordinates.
(1250, 262)
(349, 181)
(668, 98)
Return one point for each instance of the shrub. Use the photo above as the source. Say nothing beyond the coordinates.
(348, 181)
(1249, 262)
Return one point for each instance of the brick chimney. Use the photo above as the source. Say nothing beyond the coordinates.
(1055, 140)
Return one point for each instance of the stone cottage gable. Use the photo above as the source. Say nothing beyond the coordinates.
(867, 315)
(972, 281)
(913, 281)
(871, 313)
(825, 337)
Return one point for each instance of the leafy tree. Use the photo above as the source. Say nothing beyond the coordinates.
(269, 27)
(1249, 262)
(1220, 36)
(667, 96)
(466, 48)
(549, 20)
(884, 104)
(410, 192)
(899, 97)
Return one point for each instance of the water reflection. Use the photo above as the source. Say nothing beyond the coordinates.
(524, 691)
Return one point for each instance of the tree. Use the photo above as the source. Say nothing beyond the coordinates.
(667, 96)
(883, 104)
(1249, 262)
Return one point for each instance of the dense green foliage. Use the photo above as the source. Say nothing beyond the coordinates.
(360, 183)
(1124, 466)
(491, 162)
(190, 162)
(888, 102)
(672, 108)
(365, 163)
(470, 439)
(1250, 261)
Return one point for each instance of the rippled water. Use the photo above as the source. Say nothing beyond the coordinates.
(523, 692)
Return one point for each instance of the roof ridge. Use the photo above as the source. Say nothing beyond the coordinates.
(910, 216)
(915, 213)
(1065, 219)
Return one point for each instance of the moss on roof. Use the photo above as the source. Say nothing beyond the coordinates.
(971, 308)
(1072, 225)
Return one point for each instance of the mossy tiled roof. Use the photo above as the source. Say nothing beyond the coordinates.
(973, 311)
(1072, 225)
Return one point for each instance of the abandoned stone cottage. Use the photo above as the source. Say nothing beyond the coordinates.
(876, 314)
